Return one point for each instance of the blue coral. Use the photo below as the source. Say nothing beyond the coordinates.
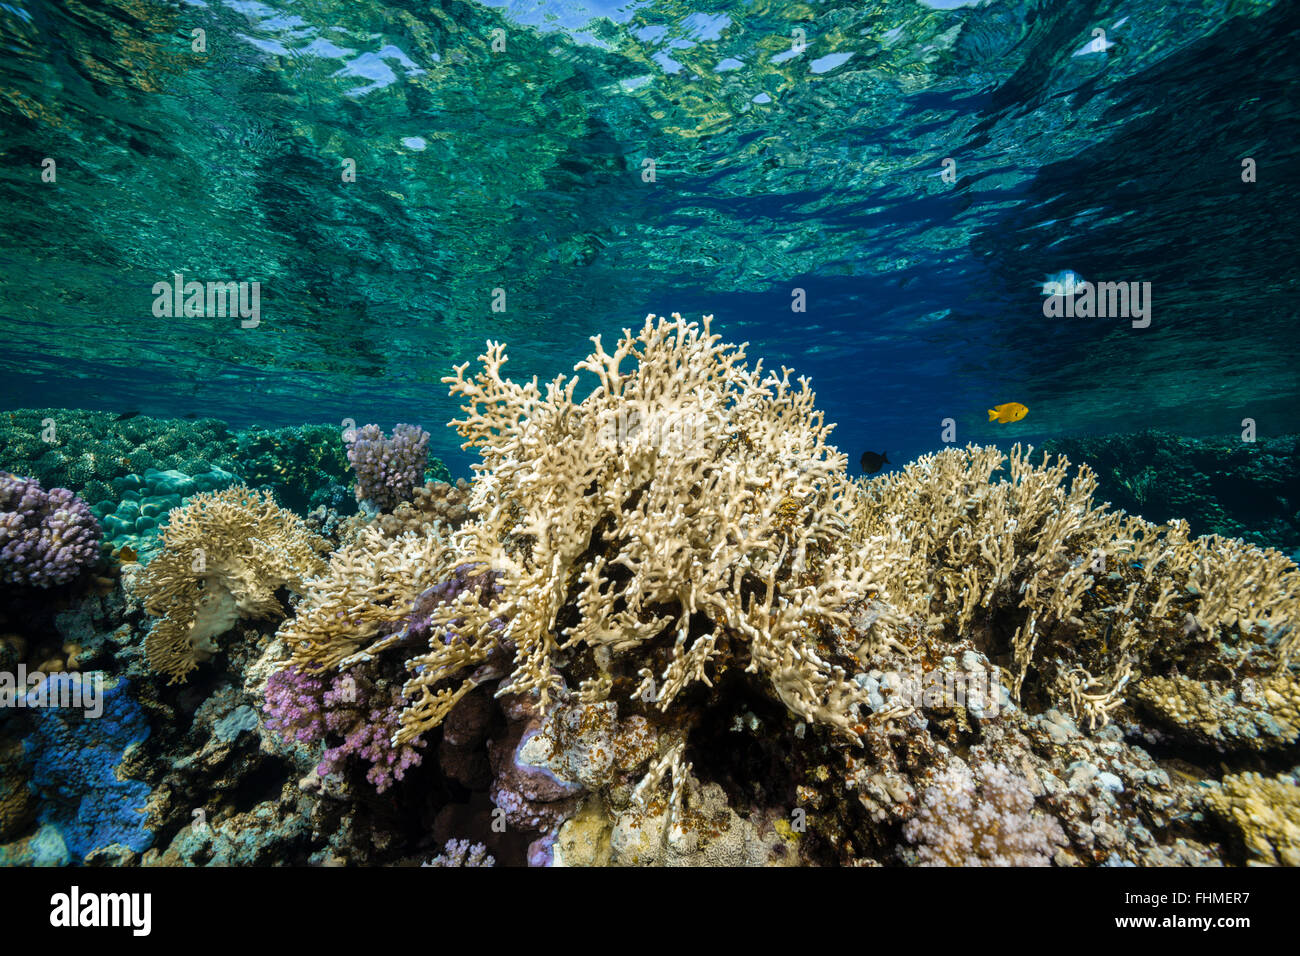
(75, 759)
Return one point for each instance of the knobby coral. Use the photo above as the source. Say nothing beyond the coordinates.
(362, 717)
(462, 853)
(47, 538)
(388, 469)
(983, 817)
(224, 557)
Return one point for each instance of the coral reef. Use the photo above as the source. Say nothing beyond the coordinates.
(663, 627)
(388, 468)
(110, 460)
(1224, 486)
(224, 557)
(47, 538)
(681, 550)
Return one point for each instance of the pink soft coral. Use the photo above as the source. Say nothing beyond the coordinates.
(301, 708)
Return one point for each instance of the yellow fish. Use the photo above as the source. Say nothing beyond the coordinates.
(1010, 412)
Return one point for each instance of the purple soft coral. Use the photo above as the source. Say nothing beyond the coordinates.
(388, 469)
(46, 537)
(301, 708)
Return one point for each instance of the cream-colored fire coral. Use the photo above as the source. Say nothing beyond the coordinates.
(224, 556)
(684, 515)
(1088, 598)
(687, 513)
(368, 589)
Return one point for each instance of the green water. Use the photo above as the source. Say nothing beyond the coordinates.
(522, 169)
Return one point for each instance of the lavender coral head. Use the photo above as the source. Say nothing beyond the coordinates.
(388, 469)
(46, 537)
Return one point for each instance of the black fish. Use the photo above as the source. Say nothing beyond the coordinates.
(191, 415)
(126, 416)
(871, 462)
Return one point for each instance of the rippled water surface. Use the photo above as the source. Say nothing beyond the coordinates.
(782, 161)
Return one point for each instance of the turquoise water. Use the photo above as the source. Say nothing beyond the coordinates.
(776, 168)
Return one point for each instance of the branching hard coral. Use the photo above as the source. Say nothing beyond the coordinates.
(366, 592)
(388, 469)
(224, 557)
(47, 538)
(462, 853)
(981, 818)
(1090, 598)
(685, 517)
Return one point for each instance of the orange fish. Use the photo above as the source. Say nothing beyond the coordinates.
(1010, 412)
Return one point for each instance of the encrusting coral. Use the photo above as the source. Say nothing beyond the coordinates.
(1252, 715)
(224, 557)
(1264, 811)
